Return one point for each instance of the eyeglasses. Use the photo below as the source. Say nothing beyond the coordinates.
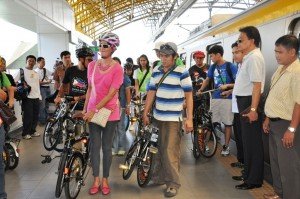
(104, 45)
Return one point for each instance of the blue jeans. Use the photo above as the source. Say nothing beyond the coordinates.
(120, 134)
(2, 177)
(44, 106)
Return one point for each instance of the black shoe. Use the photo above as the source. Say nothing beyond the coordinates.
(237, 164)
(170, 192)
(246, 186)
(238, 178)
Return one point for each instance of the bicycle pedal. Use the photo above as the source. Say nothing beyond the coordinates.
(123, 167)
(153, 149)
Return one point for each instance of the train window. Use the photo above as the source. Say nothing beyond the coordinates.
(294, 28)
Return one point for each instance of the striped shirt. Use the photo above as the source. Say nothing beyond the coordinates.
(170, 94)
(284, 93)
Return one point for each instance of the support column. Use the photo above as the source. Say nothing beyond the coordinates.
(50, 45)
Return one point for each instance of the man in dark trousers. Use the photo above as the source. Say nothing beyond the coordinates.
(44, 76)
(248, 87)
(282, 109)
(30, 105)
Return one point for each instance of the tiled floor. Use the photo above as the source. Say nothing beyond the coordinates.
(204, 178)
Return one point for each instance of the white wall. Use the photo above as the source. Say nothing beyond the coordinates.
(51, 45)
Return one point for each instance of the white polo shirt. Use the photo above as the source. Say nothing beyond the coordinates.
(32, 79)
(253, 69)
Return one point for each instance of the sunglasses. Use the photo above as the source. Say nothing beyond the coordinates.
(166, 47)
(104, 45)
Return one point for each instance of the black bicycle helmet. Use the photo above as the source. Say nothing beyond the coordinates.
(84, 52)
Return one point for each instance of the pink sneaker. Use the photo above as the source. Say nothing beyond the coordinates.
(105, 190)
(94, 190)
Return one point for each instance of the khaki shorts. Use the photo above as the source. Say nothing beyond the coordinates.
(221, 111)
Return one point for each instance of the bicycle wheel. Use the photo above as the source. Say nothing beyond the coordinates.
(13, 159)
(207, 141)
(50, 135)
(145, 170)
(196, 152)
(131, 160)
(74, 176)
(61, 177)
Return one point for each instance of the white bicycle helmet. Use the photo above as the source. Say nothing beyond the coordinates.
(111, 38)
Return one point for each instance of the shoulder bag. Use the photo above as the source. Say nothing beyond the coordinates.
(6, 114)
(23, 89)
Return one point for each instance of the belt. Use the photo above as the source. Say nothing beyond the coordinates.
(45, 86)
(275, 119)
(240, 97)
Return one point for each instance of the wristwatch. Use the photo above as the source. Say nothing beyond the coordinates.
(291, 129)
(253, 109)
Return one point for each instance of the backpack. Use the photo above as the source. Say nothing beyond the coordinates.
(228, 71)
(23, 89)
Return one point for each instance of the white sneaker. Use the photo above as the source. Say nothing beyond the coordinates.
(225, 151)
(114, 153)
(27, 137)
(121, 152)
(36, 134)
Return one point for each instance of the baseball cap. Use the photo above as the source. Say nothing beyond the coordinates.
(168, 48)
(157, 45)
(198, 54)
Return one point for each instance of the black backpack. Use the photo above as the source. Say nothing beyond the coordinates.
(23, 89)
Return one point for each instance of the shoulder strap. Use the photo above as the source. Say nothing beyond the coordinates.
(164, 76)
(229, 72)
(143, 78)
(22, 75)
(213, 79)
(44, 73)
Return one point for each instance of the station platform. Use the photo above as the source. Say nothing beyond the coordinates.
(202, 178)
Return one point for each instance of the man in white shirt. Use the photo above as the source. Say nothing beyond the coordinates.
(45, 81)
(248, 87)
(30, 105)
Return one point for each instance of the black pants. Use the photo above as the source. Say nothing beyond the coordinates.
(30, 108)
(238, 137)
(252, 145)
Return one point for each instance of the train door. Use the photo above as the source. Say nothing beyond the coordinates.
(294, 28)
